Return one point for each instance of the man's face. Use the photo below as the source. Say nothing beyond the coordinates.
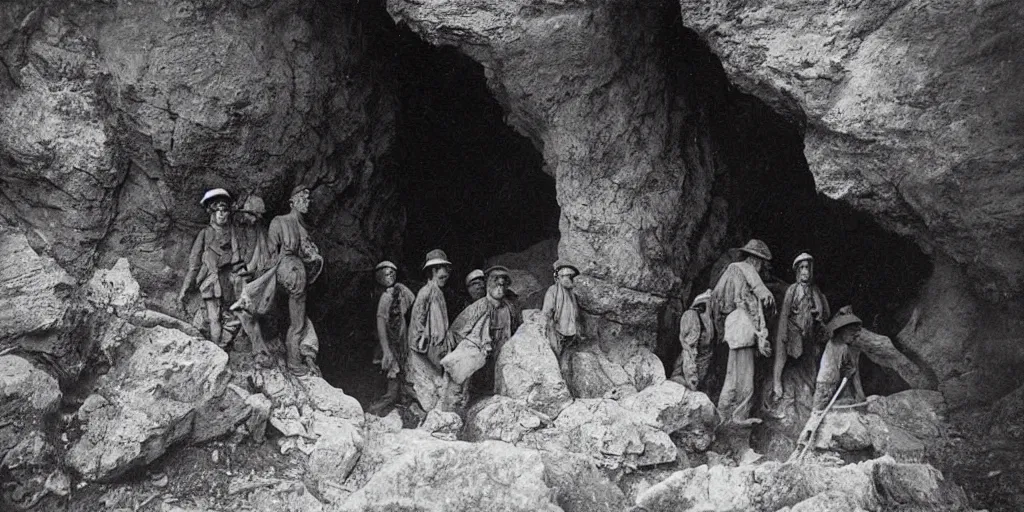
(756, 262)
(565, 278)
(847, 334)
(221, 214)
(300, 201)
(386, 277)
(497, 284)
(477, 288)
(441, 273)
(804, 272)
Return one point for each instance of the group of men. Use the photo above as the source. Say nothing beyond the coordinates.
(437, 364)
(240, 267)
(737, 310)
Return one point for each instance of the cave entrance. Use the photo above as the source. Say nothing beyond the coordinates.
(467, 182)
(772, 196)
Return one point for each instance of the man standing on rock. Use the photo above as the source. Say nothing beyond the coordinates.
(560, 311)
(290, 249)
(255, 260)
(392, 312)
(479, 333)
(801, 321)
(213, 258)
(737, 303)
(696, 332)
(428, 337)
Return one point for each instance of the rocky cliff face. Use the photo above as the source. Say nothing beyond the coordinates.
(115, 117)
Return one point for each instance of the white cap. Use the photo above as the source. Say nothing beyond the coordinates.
(385, 264)
(213, 194)
(802, 257)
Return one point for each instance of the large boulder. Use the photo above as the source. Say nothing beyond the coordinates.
(608, 433)
(29, 463)
(501, 418)
(673, 408)
(411, 469)
(38, 305)
(878, 484)
(590, 374)
(158, 380)
(919, 412)
(527, 369)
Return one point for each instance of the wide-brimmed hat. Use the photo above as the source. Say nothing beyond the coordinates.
(757, 248)
(560, 264)
(802, 257)
(474, 275)
(436, 257)
(843, 318)
(213, 195)
(703, 298)
(385, 264)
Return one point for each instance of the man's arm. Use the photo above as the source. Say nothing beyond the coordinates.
(383, 307)
(195, 260)
(689, 335)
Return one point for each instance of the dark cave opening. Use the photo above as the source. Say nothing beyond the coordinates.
(467, 183)
(772, 196)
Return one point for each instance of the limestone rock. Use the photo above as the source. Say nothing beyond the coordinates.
(27, 396)
(644, 368)
(579, 485)
(607, 432)
(418, 471)
(674, 409)
(38, 310)
(527, 369)
(500, 418)
(159, 379)
(590, 374)
(220, 416)
(442, 423)
(335, 452)
(921, 413)
(878, 484)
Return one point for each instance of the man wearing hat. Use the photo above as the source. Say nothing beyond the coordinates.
(428, 337)
(560, 311)
(290, 248)
(840, 358)
(479, 333)
(737, 308)
(392, 311)
(213, 256)
(476, 285)
(696, 331)
(801, 321)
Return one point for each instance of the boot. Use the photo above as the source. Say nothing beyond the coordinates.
(386, 401)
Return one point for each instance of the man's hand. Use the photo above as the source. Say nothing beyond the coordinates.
(776, 390)
(764, 348)
(387, 360)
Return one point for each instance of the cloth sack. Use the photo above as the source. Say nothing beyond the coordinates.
(464, 361)
(739, 330)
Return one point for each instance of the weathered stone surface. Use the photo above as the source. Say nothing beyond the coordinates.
(689, 415)
(527, 369)
(27, 396)
(442, 423)
(148, 400)
(608, 433)
(335, 452)
(920, 412)
(413, 470)
(110, 134)
(591, 374)
(878, 484)
(38, 308)
(580, 486)
(31, 470)
(642, 366)
(500, 418)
